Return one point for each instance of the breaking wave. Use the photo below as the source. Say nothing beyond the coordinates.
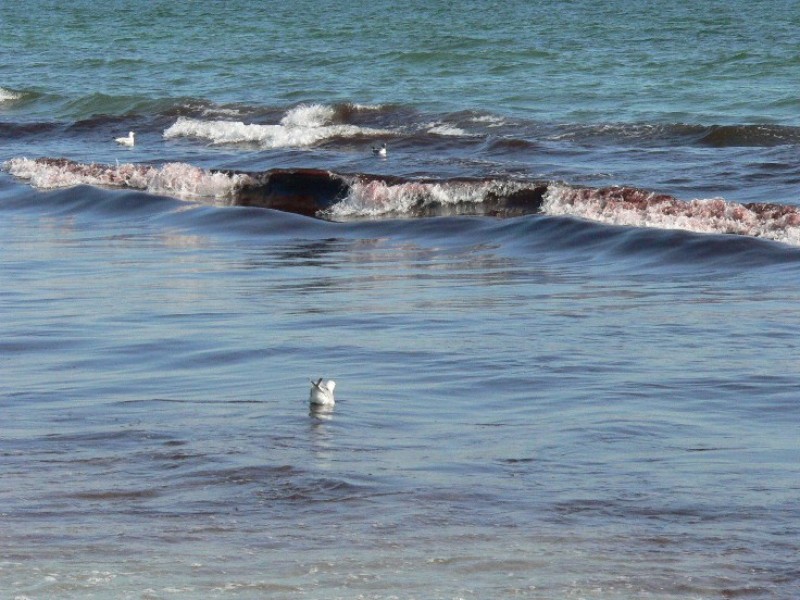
(302, 126)
(173, 179)
(446, 129)
(335, 196)
(371, 196)
(8, 95)
(639, 208)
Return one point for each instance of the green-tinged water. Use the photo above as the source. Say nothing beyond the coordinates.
(710, 62)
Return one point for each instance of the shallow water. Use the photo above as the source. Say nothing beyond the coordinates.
(510, 418)
(590, 393)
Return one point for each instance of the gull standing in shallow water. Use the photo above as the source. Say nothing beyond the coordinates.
(126, 141)
(322, 392)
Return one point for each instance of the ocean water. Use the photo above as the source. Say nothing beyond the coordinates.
(561, 312)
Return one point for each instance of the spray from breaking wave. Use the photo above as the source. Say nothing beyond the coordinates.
(302, 126)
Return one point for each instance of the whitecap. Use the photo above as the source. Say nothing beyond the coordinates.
(635, 208)
(8, 95)
(302, 126)
(372, 198)
(367, 107)
(309, 115)
(489, 120)
(179, 180)
(446, 129)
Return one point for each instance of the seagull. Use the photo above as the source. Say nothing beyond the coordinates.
(379, 150)
(125, 141)
(322, 392)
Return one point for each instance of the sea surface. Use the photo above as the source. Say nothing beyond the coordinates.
(562, 312)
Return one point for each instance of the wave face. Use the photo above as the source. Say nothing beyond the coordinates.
(328, 195)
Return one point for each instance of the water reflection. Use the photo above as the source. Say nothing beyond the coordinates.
(320, 412)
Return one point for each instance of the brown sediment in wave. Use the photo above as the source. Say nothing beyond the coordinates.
(640, 208)
(301, 191)
(316, 192)
(335, 196)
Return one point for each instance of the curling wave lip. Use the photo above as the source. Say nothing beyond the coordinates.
(338, 197)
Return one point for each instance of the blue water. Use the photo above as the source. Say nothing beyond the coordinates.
(561, 314)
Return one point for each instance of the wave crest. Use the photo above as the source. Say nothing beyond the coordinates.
(9, 95)
(325, 194)
(303, 126)
(173, 179)
(374, 197)
(639, 208)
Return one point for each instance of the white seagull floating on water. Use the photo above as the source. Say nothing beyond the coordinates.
(379, 150)
(322, 392)
(126, 141)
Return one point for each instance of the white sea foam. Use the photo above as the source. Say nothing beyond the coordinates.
(375, 198)
(367, 107)
(217, 111)
(8, 95)
(174, 179)
(303, 126)
(621, 206)
(489, 120)
(446, 129)
(309, 116)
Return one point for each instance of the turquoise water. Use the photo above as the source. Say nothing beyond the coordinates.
(562, 312)
(710, 62)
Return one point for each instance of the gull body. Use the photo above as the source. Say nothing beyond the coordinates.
(379, 150)
(322, 392)
(126, 141)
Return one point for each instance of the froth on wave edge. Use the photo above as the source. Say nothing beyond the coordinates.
(302, 126)
(7, 95)
(334, 196)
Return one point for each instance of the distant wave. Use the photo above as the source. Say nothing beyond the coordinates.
(8, 95)
(446, 129)
(307, 125)
(304, 125)
(718, 136)
(335, 196)
(750, 135)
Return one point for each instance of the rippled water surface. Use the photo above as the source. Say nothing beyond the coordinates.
(511, 419)
(561, 313)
